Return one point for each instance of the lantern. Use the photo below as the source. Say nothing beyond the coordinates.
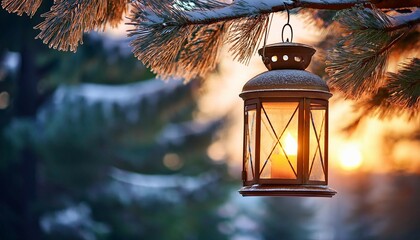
(286, 126)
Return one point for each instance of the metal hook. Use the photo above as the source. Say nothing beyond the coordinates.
(268, 27)
(287, 24)
(288, 13)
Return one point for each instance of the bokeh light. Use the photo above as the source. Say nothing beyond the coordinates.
(350, 157)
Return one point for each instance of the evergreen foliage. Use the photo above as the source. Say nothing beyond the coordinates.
(193, 48)
(183, 38)
(400, 94)
(357, 63)
(94, 153)
(90, 155)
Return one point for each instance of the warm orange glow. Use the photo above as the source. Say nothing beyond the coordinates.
(280, 167)
(172, 161)
(290, 145)
(350, 157)
(216, 151)
(372, 133)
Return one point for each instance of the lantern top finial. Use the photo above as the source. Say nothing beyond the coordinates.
(286, 55)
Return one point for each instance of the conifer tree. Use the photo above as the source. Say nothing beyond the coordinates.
(182, 38)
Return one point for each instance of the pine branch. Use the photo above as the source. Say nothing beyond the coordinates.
(245, 36)
(156, 28)
(20, 7)
(357, 64)
(171, 33)
(405, 86)
(400, 95)
(166, 42)
(113, 16)
(245, 8)
(66, 21)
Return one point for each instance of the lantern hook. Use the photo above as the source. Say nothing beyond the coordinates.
(287, 25)
(268, 27)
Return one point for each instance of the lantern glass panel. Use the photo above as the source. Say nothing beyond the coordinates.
(279, 140)
(317, 129)
(250, 129)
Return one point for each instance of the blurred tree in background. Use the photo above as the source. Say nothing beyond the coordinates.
(119, 164)
(384, 207)
(92, 150)
(127, 160)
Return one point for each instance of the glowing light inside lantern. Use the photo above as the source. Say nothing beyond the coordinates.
(280, 166)
(290, 145)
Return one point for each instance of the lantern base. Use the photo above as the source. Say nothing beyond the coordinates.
(287, 190)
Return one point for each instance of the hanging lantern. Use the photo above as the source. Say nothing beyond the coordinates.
(286, 126)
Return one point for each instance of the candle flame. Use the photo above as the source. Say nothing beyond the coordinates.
(290, 145)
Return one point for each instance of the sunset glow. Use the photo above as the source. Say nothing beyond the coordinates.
(350, 157)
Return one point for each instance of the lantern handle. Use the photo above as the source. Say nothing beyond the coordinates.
(287, 25)
(268, 27)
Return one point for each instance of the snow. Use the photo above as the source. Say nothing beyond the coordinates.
(135, 187)
(11, 61)
(187, 183)
(406, 18)
(241, 8)
(76, 217)
(176, 134)
(119, 94)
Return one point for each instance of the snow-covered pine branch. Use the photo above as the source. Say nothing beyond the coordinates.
(405, 20)
(243, 8)
(183, 39)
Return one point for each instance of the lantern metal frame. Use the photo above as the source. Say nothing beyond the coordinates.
(286, 82)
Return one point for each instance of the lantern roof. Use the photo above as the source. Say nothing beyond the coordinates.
(286, 80)
(286, 63)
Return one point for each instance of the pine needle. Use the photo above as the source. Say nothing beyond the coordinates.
(20, 7)
(357, 65)
(400, 95)
(405, 85)
(167, 42)
(66, 21)
(245, 36)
